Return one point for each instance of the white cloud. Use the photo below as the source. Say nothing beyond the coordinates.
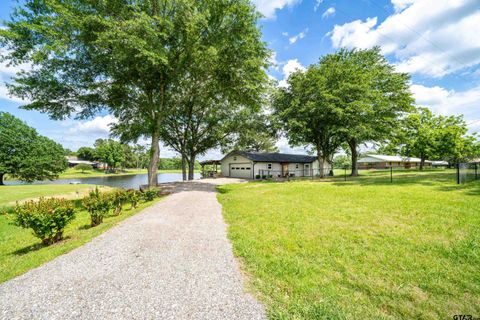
(299, 36)
(98, 126)
(328, 13)
(430, 37)
(290, 67)
(6, 96)
(399, 5)
(317, 5)
(273, 60)
(449, 102)
(269, 7)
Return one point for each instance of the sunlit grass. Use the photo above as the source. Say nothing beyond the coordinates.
(20, 251)
(361, 249)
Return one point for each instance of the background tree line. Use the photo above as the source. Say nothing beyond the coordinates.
(127, 156)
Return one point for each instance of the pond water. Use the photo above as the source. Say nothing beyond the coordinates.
(133, 181)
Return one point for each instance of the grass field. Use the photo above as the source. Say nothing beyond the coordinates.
(10, 194)
(362, 249)
(20, 251)
(71, 173)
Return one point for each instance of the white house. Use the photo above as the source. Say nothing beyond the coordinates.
(380, 161)
(254, 165)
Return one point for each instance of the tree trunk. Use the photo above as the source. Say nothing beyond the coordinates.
(321, 165)
(191, 167)
(1, 179)
(184, 168)
(422, 163)
(352, 143)
(154, 156)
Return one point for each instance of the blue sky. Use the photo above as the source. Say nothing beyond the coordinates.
(436, 41)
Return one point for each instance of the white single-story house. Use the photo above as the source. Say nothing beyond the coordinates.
(73, 161)
(380, 161)
(256, 165)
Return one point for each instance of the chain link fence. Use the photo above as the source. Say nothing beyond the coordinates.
(459, 173)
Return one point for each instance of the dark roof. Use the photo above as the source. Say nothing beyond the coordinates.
(274, 157)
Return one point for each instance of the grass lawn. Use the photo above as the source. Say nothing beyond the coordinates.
(20, 251)
(364, 249)
(10, 194)
(71, 173)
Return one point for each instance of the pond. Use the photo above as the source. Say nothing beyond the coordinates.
(133, 181)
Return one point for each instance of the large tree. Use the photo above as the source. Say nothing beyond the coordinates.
(369, 96)
(435, 137)
(309, 115)
(110, 152)
(26, 155)
(129, 57)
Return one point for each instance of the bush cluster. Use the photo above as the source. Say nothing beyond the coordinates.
(150, 194)
(46, 217)
(99, 204)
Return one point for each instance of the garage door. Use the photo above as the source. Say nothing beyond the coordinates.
(239, 170)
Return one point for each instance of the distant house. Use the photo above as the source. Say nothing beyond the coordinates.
(254, 165)
(73, 161)
(380, 161)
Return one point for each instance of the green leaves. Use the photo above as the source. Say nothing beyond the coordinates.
(46, 217)
(26, 155)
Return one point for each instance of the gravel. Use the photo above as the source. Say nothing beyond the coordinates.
(171, 261)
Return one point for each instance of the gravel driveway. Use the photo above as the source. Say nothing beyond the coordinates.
(171, 261)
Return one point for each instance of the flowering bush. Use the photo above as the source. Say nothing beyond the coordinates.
(97, 204)
(150, 194)
(133, 197)
(119, 198)
(46, 217)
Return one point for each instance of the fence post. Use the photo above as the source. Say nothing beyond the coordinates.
(345, 173)
(391, 174)
(476, 171)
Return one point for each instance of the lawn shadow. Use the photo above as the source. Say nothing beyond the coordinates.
(35, 247)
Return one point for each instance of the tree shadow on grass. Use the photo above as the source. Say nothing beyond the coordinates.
(35, 247)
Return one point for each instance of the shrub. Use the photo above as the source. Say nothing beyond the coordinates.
(46, 217)
(97, 204)
(119, 198)
(133, 197)
(150, 194)
(83, 167)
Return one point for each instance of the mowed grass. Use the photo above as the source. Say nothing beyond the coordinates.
(366, 249)
(10, 194)
(20, 251)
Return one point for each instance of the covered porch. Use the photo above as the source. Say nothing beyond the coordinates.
(210, 168)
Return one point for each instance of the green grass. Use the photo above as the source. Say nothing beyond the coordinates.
(364, 249)
(10, 194)
(20, 251)
(71, 173)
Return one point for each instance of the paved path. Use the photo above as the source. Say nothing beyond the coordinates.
(171, 261)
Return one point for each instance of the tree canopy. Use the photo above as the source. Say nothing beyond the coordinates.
(351, 96)
(26, 155)
(134, 59)
(435, 137)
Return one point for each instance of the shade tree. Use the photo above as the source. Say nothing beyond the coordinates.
(26, 155)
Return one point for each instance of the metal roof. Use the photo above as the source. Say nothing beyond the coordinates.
(386, 158)
(274, 157)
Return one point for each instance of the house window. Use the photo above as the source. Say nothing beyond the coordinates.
(306, 166)
(234, 158)
(247, 168)
(269, 166)
(296, 165)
